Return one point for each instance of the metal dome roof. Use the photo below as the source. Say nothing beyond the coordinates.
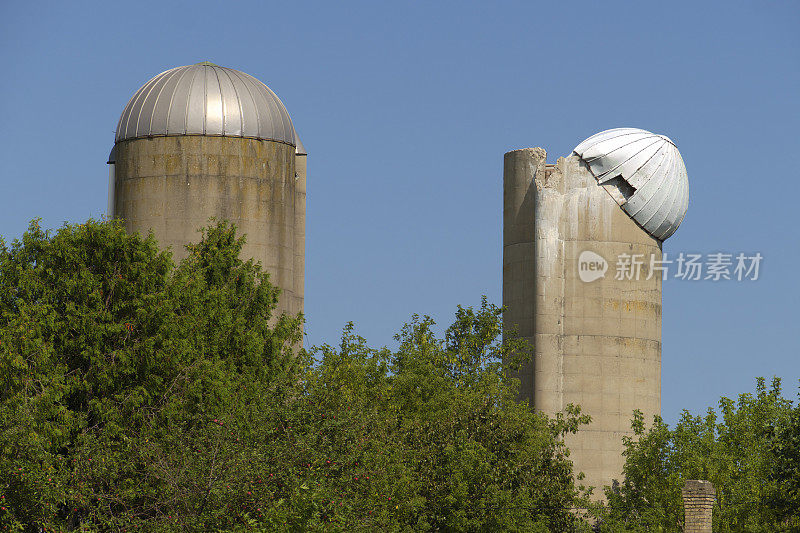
(205, 99)
(649, 174)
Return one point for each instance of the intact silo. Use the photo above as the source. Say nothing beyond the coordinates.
(582, 275)
(202, 141)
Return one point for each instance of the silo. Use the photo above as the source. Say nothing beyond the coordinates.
(582, 276)
(202, 141)
(300, 160)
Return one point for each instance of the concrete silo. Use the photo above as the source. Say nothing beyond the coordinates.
(582, 275)
(202, 141)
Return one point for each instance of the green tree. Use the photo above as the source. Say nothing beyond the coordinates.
(422, 438)
(785, 472)
(112, 362)
(739, 450)
(141, 395)
(481, 459)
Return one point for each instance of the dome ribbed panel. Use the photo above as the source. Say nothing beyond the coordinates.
(652, 167)
(205, 99)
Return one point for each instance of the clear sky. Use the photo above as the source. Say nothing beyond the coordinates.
(406, 111)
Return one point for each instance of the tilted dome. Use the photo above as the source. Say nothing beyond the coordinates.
(205, 99)
(648, 172)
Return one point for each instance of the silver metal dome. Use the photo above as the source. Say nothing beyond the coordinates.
(645, 174)
(205, 99)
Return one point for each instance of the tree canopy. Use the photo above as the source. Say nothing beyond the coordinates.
(749, 450)
(142, 395)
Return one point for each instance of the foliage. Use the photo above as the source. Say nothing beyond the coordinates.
(748, 451)
(113, 361)
(140, 395)
(439, 442)
(785, 472)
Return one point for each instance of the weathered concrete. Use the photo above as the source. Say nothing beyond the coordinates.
(173, 185)
(299, 231)
(598, 343)
(698, 506)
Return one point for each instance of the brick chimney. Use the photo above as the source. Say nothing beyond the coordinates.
(698, 505)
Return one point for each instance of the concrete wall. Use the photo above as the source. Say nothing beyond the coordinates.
(598, 343)
(173, 185)
(519, 289)
(300, 231)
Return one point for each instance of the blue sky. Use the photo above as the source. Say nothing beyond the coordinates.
(406, 111)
